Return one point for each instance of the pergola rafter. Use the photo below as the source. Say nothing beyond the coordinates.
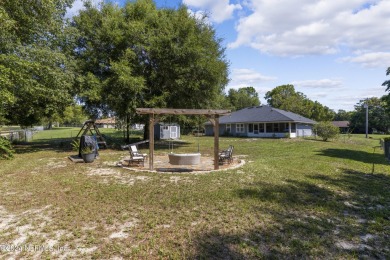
(212, 114)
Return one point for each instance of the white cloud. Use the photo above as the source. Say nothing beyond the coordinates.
(319, 84)
(304, 27)
(220, 10)
(247, 77)
(200, 15)
(371, 60)
(79, 5)
(241, 78)
(320, 95)
(347, 100)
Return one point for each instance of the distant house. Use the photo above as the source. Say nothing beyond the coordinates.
(138, 126)
(166, 131)
(263, 121)
(105, 123)
(342, 125)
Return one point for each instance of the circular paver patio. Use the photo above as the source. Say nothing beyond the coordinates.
(161, 164)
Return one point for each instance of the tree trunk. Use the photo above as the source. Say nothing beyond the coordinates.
(128, 128)
(49, 126)
(124, 132)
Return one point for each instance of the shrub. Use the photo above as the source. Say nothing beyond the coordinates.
(75, 145)
(6, 151)
(326, 130)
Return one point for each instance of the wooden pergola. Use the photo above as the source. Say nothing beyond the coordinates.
(212, 114)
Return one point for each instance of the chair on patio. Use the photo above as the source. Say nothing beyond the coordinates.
(226, 156)
(136, 157)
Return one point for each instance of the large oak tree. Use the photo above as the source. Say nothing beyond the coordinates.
(139, 56)
(243, 97)
(36, 77)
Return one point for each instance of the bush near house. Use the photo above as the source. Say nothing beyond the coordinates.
(326, 130)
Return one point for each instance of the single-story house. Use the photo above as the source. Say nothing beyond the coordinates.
(342, 125)
(263, 121)
(105, 122)
(166, 131)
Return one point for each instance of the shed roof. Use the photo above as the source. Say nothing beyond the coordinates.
(110, 120)
(341, 123)
(263, 114)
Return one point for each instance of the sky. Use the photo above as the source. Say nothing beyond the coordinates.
(335, 52)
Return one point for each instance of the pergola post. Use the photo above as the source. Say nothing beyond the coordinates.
(216, 142)
(151, 141)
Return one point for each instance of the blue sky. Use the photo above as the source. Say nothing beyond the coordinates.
(335, 52)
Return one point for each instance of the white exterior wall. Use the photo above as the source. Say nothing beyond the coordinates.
(304, 132)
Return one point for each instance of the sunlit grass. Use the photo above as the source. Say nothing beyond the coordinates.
(294, 198)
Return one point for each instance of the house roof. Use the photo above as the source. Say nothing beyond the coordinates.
(341, 123)
(110, 120)
(263, 114)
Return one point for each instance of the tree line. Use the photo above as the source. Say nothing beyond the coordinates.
(285, 97)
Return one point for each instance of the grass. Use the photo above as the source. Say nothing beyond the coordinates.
(300, 198)
(9, 128)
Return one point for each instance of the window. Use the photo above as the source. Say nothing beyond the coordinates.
(269, 128)
(228, 128)
(250, 128)
(165, 127)
(240, 128)
(283, 127)
(261, 128)
(276, 128)
(256, 129)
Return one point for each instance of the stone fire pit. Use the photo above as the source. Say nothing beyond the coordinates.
(184, 158)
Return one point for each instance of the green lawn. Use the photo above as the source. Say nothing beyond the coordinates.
(292, 199)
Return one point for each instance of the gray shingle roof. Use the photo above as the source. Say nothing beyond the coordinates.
(341, 123)
(263, 114)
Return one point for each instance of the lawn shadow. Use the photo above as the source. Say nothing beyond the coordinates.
(339, 216)
(56, 145)
(360, 156)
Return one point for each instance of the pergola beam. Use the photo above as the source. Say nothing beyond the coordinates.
(212, 114)
(174, 111)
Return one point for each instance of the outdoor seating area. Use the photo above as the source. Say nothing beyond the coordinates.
(162, 164)
(179, 162)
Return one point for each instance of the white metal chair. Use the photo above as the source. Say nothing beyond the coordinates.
(226, 155)
(136, 157)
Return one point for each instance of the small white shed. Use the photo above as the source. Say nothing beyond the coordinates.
(166, 131)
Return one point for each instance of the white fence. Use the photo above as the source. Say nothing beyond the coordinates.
(25, 135)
